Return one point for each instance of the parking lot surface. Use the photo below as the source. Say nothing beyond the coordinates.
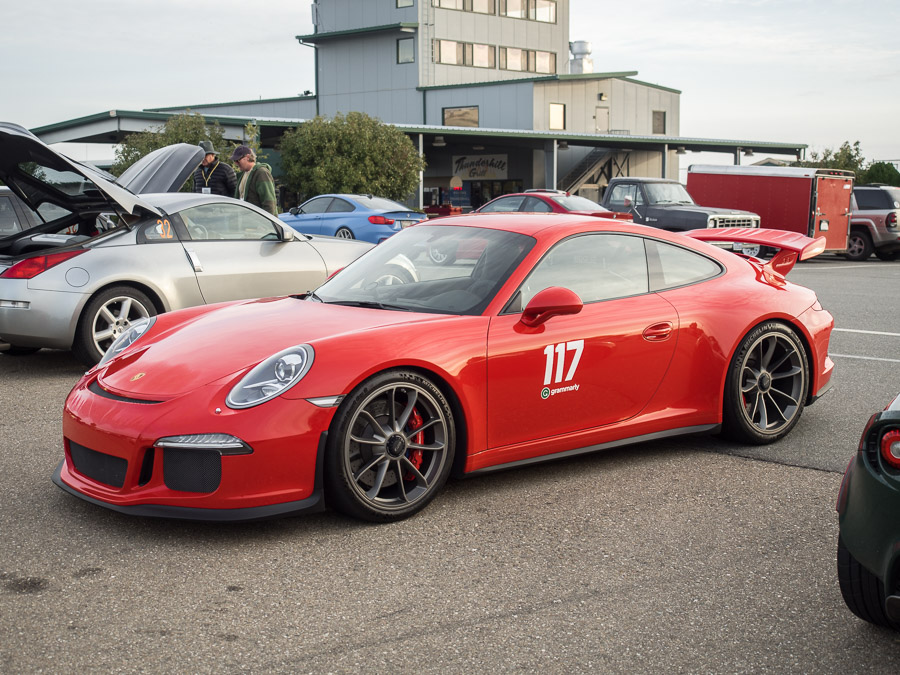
(685, 555)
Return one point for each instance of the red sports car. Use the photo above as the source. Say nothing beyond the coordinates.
(568, 334)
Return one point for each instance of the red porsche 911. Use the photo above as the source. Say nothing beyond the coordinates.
(567, 334)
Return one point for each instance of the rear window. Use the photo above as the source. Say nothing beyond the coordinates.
(380, 204)
(876, 199)
(576, 203)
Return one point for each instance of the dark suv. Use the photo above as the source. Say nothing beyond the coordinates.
(874, 226)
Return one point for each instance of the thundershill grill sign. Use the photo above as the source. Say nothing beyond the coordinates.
(480, 167)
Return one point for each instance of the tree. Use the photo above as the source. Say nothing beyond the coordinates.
(188, 128)
(880, 172)
(350, 154)
(848, 157)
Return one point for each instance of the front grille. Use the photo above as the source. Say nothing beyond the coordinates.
(98, 466)
(729, 221)
(192, 470)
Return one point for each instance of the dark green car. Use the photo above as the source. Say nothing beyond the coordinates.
(868, 557)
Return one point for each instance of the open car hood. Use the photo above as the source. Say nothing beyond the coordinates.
(39, 174)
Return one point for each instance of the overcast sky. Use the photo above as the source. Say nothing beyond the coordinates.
(819, 72)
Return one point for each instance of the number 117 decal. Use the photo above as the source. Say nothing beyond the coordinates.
(556, 361)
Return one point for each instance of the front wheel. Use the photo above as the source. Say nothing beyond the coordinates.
(390, 447)
(862, 591)
(106, 316)
(765, 389)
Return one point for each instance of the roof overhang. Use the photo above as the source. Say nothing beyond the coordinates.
(316, 38)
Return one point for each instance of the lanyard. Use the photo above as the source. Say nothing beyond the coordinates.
(207, 177)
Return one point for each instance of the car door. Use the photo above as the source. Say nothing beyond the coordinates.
(238, 253)
(587, 370)
(340, 213)
(309, 218)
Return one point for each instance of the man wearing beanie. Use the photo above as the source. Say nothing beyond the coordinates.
(256, 185)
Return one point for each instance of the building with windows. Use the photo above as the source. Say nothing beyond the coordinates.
(485, 88)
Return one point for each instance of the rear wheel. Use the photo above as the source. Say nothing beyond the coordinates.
(105, 317)
(766, 385)
(390, 447)
(859, 246)
(863, 592)
(344, 233)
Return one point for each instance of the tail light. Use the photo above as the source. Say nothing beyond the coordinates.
(891, 220)
(890, 448)
(30, 268)
(380, 220)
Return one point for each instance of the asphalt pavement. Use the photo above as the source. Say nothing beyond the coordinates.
(691, 555)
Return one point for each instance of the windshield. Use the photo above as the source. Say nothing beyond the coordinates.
(576, 203)
(430, 268)
(668, 193)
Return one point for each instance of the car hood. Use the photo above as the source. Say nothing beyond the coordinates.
(35, 171)
(215, 345)
(695, 208)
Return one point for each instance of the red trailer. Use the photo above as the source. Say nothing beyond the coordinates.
(813, 202)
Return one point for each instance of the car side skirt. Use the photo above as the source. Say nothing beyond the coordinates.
(631, 440)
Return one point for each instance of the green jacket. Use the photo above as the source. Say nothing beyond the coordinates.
(259, 189)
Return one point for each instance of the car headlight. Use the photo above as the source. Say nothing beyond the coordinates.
(132, 334)
(272, 377)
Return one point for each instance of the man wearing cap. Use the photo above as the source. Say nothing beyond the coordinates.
(256, 185)
(212, 177)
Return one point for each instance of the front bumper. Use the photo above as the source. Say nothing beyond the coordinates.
(111, 457)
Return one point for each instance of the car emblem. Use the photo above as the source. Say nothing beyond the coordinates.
(138, 376)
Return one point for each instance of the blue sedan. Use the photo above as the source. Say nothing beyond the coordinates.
(351, 217)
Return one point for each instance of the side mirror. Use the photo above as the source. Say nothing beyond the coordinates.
(550, 302)
(294, 211)
(287, 233)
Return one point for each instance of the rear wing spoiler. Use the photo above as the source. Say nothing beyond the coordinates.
(791, 246)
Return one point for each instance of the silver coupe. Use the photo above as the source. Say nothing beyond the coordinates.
(110, 251)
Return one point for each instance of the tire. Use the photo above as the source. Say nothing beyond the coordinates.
(392, 274)
(377, 466)
(863, 592)
(766, 385)
(887, 256)
(859, 246)
(344, 233)
(104, 318)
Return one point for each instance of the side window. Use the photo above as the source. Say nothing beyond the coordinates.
(537, 205)
(620, 193)
(595, 266)
(871, 200)
(9, 223)
(679, 266)
(504, 204)
(159, 229)
(318, 205)
(227, 221)
(340, 206)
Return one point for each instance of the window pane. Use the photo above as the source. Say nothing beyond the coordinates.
(227, 221)
(680, 266)
(659, 122)
(517, 9)
(317, 205)
(446, 52)
(405, 3)
(483, 56)
(545, 62)
(546, 11)
(483, 6)
(406, 52)
(557, 116)
(461, 117)
(596, 267)
(9, 223)
(340, 206)
(504, 204)
(515, 59)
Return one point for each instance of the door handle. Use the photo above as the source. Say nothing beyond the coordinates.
(195, 260)
(658, 331)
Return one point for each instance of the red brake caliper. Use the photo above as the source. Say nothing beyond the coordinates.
(415, 456)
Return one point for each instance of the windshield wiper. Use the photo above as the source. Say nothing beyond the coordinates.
(371, 304)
